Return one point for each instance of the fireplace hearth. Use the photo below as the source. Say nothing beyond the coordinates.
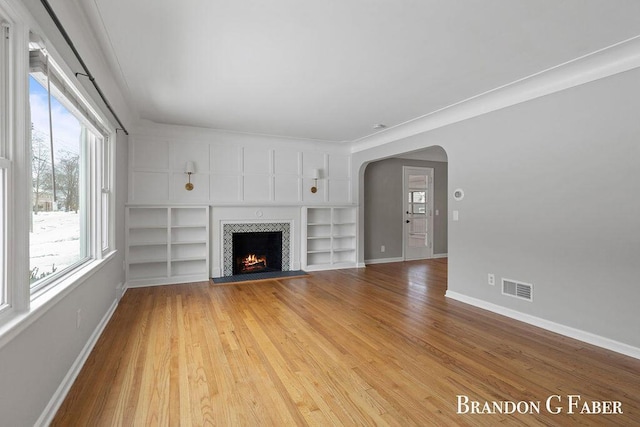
(256, 252)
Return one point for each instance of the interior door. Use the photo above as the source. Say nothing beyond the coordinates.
(418, 213)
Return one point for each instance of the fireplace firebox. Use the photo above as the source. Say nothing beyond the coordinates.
(256, 252)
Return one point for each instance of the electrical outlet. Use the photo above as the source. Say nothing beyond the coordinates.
(491, 279)
(382, 248)
(78, 318)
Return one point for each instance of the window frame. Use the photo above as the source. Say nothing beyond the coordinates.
(108, 203)
(5, 172)
(94, 166)
(5, 160)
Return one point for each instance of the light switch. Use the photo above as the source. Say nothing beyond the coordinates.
(455, 215)
(437, 212)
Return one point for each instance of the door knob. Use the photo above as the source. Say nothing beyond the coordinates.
(407, 221)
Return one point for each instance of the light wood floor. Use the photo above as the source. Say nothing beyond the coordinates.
(374, 346)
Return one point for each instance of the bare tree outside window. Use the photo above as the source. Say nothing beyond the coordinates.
(41, 172)
(68, 180)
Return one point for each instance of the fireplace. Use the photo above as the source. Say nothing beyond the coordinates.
(230, 229)
(256, 252)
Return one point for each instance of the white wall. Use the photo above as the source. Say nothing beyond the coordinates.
(233, 168)
(550, 199)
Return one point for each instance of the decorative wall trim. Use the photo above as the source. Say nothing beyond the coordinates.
(254, 227)
(567, 331)
(247, 170)
(445, 255)
(63, 389)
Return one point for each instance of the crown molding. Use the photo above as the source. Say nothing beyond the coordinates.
(618, 58)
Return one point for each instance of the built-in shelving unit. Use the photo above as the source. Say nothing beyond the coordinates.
(328, 238)
(167, 244)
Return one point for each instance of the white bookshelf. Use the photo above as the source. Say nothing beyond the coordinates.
(167, 244)
(328, 237)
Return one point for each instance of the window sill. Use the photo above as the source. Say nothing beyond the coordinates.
(16, 322)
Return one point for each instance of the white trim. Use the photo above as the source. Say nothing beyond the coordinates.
(163, 281)
(63, 389)
(567, 331)
(121, 288)
(444, 255)
(329, 267)
(382, 260)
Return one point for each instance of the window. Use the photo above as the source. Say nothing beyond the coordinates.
(70, 172)
(56, 179)
(57, 237)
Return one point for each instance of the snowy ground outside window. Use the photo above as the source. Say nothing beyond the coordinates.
(55, 241)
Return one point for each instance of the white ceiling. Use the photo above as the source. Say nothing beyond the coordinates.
(331, 69)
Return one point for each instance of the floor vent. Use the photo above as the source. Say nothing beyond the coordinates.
(517, 289)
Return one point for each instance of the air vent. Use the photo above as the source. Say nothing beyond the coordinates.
(517, 289)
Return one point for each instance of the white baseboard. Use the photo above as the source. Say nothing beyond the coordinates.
(397, 259)
(567, 331)
(61, 393)
(383, 260)
(120, 290)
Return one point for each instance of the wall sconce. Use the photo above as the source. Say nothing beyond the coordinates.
(189, 169)
(315, 174)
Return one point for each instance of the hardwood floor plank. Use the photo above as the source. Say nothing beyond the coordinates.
(375, 346)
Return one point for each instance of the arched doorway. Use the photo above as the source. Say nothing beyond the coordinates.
(384, 209)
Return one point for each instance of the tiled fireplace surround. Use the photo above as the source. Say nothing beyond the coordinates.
(254, 227)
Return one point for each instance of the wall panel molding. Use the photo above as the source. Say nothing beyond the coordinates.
(247, 170)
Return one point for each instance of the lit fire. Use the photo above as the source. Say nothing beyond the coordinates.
(254, 262)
